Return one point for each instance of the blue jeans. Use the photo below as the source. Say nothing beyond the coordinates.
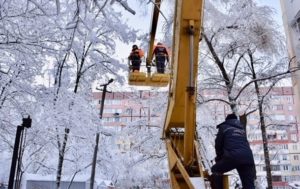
(246, 172)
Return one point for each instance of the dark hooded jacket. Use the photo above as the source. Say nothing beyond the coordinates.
(231, 142)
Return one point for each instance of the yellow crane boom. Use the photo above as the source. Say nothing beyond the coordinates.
(179, 127)
(185, 167)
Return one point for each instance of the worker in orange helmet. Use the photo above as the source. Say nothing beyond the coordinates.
(161, 55)
(135, 57)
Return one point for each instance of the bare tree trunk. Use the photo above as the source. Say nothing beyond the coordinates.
(61, 157)
(262, 125)
(264, 137)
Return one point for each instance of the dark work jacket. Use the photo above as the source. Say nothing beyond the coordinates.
(231, 142)
(161, 51)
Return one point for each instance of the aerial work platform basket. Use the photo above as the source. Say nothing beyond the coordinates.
(144, 79)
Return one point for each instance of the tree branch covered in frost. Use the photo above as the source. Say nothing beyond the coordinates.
(277, 76)
(124, 5)
(229, 34)
(46, 48)
(38, 6)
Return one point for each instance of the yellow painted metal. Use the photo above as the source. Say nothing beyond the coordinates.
(137, 77)
(179, 176)
(179, 127)
(226, 181)
(161, 78)
(180, 121)
(143, 79)
(180, 59)
(184, 177)
(190, 124)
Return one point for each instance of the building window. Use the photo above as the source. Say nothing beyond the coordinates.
(290, 108)
(283, 137)
(286, 178)
(277, 107)
(276, 178)
(294, 146)
(115, 102)
(275, 97)
(275, 167)
(285, 167)
(290, 118)
(278, 117)
(117, 117)
(119, 110)
(296, 157)
(271, 136)
(107, 111)
(106, 119)
(294, 137)
(284, 157)
(296, 168)
(289, 98)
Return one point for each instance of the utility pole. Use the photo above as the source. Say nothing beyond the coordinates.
(26, 123)
(97, 135)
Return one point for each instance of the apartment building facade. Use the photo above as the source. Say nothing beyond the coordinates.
(283, 138)
(122, 108)
(291, 22)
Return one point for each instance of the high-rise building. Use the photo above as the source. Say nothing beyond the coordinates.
(291, 23)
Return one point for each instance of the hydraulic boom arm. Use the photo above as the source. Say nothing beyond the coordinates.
(186, 171)
(180, 121)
